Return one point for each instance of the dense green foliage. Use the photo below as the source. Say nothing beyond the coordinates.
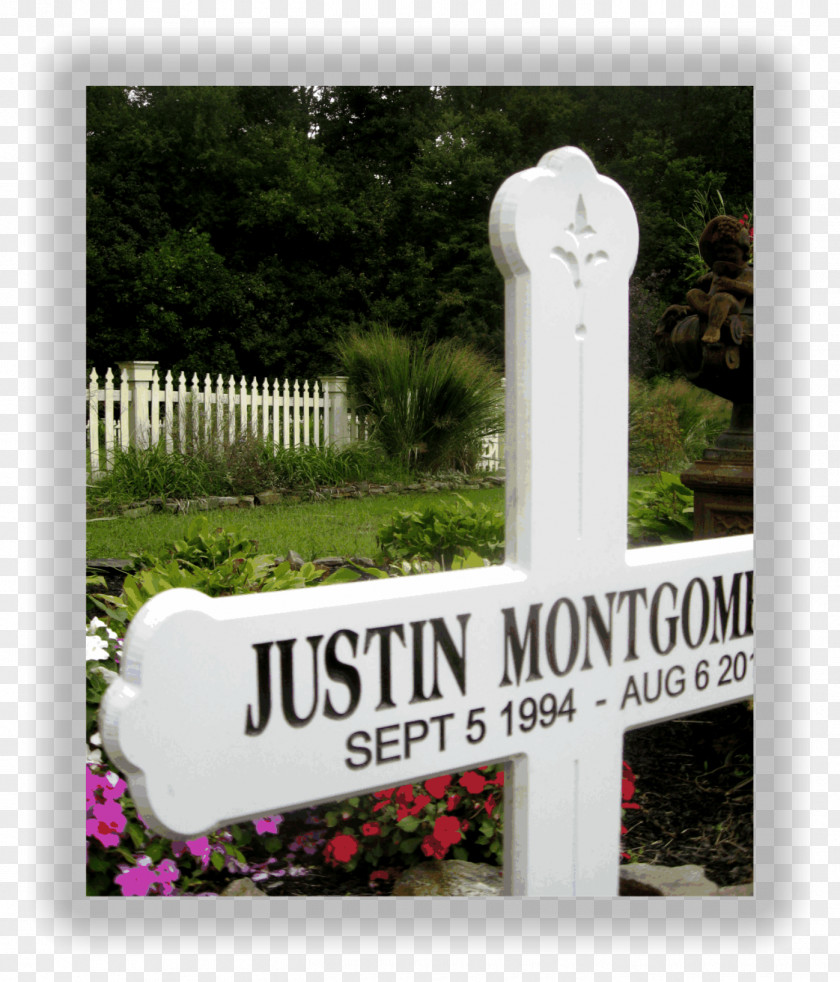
(662, 512)
(671, 423)
(245, 467)
(442, 531)
(429, 406)
(242, 230)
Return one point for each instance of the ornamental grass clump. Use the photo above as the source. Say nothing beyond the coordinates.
(430, 406)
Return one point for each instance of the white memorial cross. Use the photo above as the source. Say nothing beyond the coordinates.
(240, 707)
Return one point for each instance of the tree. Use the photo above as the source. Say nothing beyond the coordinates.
(245, 229)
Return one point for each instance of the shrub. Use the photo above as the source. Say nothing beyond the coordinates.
(664, 511)
(645, 310)
(672, 422)
(430, 406)
(441, 532)
(248, 465)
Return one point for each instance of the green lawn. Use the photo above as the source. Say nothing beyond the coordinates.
(344, 527)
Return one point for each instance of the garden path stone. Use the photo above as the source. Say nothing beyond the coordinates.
(242, 888)
(450, 878)
(646, 880)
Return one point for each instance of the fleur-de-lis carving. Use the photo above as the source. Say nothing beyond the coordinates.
(577, 231)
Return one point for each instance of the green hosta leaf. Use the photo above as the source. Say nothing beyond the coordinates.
(344, 575)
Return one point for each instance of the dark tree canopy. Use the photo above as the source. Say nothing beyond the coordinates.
(242, 230)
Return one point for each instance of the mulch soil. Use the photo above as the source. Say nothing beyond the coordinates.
(694, 786)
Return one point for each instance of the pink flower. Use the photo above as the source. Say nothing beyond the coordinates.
(268, 824)
(101, 788)
(200, 848)
(107, 823)
(135, 881)
(167, 872)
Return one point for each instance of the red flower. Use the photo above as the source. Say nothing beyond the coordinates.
(340, 849)
(404, 795)
(380, 874)
(473, 782)
(402, 812)
(420, 803)
(490, 804)
(433, 848)
(628, 783)
(436, 786)
(447, 830)
(499, 779)
(452, 802)
(371, 828)
(380, 795)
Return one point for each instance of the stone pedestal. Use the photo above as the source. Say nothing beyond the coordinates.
(722, 480)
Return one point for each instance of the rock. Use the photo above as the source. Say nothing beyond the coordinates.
(365, 561)
(137, 512)
(242, 888)
(227, 502)
(245, 501)
(739, 890)
(646, 880)
(269, 497)
(331, 561)
(450, 878)
(294, 559)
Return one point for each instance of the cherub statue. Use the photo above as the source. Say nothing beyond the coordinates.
(725, 289)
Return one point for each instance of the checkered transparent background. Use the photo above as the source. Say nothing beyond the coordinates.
(49, 52)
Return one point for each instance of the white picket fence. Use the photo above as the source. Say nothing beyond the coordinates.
(133, 408)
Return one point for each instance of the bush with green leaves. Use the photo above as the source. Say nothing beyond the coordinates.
(248, 465)
(443, 532)
(429, 405)
(672, 422)
(664, 511)
(217, 563)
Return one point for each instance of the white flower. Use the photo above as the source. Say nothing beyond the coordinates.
(95, 624)
(96, 648)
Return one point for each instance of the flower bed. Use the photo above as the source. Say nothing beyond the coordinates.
(355, 846)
